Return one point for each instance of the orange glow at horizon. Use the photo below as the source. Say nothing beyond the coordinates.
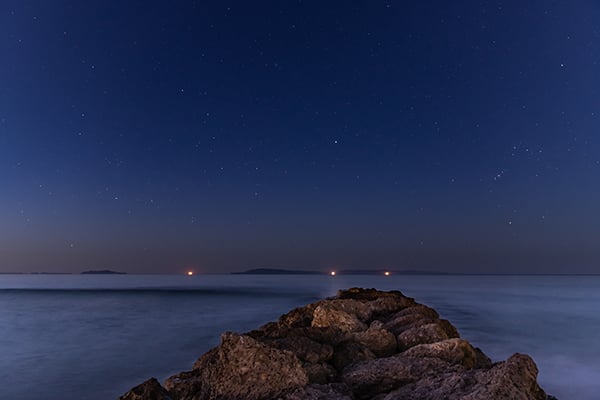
(332, 273)
(190, 273)
(386, 273)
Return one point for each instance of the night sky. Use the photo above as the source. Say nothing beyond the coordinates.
(155, 136)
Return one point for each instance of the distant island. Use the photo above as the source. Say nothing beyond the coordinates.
(103, 272)
(280, 271)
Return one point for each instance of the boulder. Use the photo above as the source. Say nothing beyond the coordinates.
(377, 339)
(326, 316)
(514, 379)
(320, 372)
(453, 351)
(409, 318)
(240, 367)
(383, 306)
(298, 317)
(349, 353)
(418, 309)
(369, 378)
(149, 390)
(426, 333)
(359, 309)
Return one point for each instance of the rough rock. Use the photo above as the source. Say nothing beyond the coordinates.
(305, 348)
(367, 379)
(361, 344)
(325, 316)
(320, 372)
(298, 317)
(149, 390)
(420, 309)
(377, 339)
(335, 391)
(514, 379)
(349, 353)
(326, 335)
(370, 294)
(409, 318)
(361, 310)
(384, 306)
(453, 351)
(241, 367)
(426, 333)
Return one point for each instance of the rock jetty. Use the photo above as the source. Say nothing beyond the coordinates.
(360, 344)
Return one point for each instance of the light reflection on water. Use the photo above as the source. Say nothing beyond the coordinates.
(93, 337)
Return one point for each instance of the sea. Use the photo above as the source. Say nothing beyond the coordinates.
(96, 336)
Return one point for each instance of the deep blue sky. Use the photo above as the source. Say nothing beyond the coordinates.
(155, 136)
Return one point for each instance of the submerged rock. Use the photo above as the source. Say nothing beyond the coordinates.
(361, 344)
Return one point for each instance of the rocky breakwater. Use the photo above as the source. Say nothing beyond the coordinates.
(360, 344)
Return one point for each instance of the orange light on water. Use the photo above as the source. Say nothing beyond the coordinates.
(387, 273)
(332, 273)
(190, 273)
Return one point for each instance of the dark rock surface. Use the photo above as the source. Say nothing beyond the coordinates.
(361, 344)
(149, 390)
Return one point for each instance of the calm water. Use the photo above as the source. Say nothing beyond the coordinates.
(94, 337)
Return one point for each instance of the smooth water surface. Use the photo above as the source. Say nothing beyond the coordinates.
(95, 336)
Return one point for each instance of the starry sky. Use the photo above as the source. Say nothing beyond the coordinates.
(155, 136)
